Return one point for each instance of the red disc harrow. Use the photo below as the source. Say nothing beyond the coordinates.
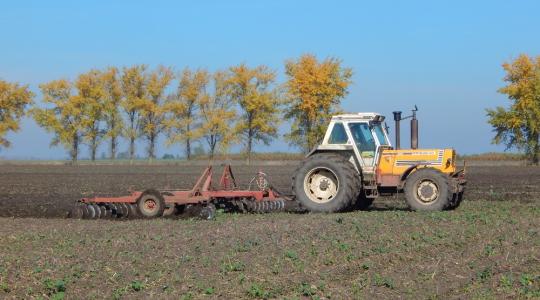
(201, 200)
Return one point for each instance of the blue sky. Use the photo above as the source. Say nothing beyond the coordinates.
(444, 56)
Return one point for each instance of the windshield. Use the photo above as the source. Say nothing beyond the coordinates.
(363, 138)
(377, 127)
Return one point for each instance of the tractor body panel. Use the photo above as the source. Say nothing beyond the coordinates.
(395, 165)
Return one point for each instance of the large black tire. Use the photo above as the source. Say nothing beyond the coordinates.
(363, 202)
(427, 189)
(338, 183)
(457, 198)
(151, 204)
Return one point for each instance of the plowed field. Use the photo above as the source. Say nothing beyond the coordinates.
(489, 247)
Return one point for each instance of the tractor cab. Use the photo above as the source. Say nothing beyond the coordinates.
(362, 133)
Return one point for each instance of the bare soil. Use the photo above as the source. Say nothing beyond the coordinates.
(488, 248)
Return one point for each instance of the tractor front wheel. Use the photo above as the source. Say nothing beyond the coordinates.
(427, 189)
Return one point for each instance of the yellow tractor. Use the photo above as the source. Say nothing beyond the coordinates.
(355, 163)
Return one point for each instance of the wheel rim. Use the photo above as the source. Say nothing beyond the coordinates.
(427, 191)
(150, 206)
(321, 185)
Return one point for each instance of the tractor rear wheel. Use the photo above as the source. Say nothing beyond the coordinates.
(151, 205)
(326, 182)
(427, 189)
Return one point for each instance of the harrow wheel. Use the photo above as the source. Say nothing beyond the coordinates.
(97, 211)
(169, 210)
(133, 211)
(77, 212)
(208, 212)
(124, 210)
(105, 213)
(151, 205)
(91, 213)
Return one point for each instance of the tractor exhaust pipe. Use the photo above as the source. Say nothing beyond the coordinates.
(414, 128)
(397, 119)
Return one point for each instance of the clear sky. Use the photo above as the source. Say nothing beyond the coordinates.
(444, 56)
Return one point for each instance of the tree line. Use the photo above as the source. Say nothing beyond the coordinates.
(241, 104)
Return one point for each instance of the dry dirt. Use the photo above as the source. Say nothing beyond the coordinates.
(488, 248)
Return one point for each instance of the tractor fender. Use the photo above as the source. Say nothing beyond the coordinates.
(406, 174)
(349, 155)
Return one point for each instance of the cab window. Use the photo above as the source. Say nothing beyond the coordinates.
(380, 134)
(363, 138)
(338, 134)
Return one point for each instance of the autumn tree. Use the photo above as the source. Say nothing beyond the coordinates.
(252, 89)
(182, 108)
(218, 114)
(519, 125)
(61, 116)
(91, 94)
(314, 92)
(14, 100)
(112, 89)
(152, 111)
(134, 87)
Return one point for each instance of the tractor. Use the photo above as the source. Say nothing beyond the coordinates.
(355, 164)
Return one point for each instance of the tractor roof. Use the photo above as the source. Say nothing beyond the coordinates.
(367, 116)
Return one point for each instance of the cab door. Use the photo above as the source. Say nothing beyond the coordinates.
(364, 142)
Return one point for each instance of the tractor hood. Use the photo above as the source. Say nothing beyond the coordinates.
(398, 161)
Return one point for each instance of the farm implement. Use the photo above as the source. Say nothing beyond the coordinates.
(202, 200)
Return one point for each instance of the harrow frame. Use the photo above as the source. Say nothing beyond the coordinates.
(203, 195)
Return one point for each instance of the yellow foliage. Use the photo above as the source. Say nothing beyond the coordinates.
(134, 87)
(152, 107)
(181, 108)
(91, 93)
(62, 116)
(252, 89)
(519, 126)
(13, 101)
(112, 88)
(314, 91)
(218, 113)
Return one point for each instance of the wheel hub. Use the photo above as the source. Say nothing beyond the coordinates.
(427, 191)
(149, 205)
(324, 185)
(321, 185)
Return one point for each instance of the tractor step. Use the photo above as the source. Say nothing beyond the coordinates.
(371, 191)
(370, 187)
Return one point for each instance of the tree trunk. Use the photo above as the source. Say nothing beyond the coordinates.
(113, 139)
(188, 148)
(536, 149)
(308, 133)
(212, 146)
(188, 143)
(74, 153)
(249, 145)
(113, 147)
(132, 137)
(93, 149)
(131, 148)
(250, 139)
(152, 146)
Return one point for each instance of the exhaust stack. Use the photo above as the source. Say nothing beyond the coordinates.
(397, 118)
(414, 128)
